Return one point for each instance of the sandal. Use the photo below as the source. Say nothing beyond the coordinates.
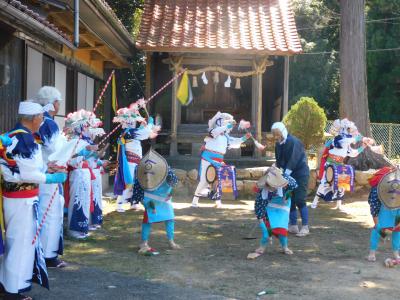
(258, 252)
(287, 251)
(371, 258)
(55, 263)
(148, 251)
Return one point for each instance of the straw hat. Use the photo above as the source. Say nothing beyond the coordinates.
(273, 177)
(152, 171)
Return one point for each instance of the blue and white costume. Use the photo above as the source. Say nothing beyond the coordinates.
(96, 165)
(22, 169)
(158, 208)
(130, 150)
(213, 151)
(272, 209)
(336, 151)
(80, 174)
(52, 140)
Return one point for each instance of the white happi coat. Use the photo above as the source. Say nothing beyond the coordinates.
(16, 268)
(218, 141)
(52, 229)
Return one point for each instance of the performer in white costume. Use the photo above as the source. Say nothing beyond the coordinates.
(336, 150)
(80, 173)
(52, 139)
(22, 170)
(130, 150)
(97, 165)
(213, 151)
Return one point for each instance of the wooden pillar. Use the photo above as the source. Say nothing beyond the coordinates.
(148, 88)
(175, 118)
(285, 105)
(256, 109)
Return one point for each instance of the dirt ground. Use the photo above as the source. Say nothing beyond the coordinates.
(328, 264)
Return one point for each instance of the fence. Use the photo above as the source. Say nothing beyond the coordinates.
(386, 134)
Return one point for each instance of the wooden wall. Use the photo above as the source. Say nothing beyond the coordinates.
(11, 57)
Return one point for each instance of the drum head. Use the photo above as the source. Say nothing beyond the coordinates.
(211, 174)
(389, 189)
(330, 174)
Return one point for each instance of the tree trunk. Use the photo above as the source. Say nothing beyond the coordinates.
(367, 159)
(353, 76)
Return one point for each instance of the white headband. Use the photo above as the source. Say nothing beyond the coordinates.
(49, 107)
(29, 108)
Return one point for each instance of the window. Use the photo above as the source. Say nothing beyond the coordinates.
(48, 76)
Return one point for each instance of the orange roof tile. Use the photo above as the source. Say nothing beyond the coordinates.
(239, 26)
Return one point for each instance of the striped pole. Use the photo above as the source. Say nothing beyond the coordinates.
(103, 90)
(109, 134)
(147, 101)
(166, 85)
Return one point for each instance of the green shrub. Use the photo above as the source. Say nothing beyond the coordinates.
(306, 120)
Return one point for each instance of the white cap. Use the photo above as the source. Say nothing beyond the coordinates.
(29, 108)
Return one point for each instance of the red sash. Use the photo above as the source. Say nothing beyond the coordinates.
(22, 194)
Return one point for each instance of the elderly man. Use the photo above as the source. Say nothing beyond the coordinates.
(52, 231)
(22, 169)
(291, 157)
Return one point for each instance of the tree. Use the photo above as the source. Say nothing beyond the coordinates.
(353, 76)
(383, 32)
(130, 81)
(306, 120)
(317, 75)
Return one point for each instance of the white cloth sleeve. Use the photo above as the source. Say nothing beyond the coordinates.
(76, 162)
(143, 133)
(30, 170)
(218, 131)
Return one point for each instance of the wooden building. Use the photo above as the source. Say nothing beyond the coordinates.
(248, 41)
(36, 49)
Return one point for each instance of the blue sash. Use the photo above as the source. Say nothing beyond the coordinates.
(278, 212)
(387, 217)
(158, 210)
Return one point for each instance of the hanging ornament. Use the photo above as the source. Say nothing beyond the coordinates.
(204, 78)
(194, 83)
(216, 77)
(228, 81)
(237, 85)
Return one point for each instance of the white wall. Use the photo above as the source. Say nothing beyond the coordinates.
(81, 91)
(60, 82)
(34, 72)
(89, 93)
(85, 92)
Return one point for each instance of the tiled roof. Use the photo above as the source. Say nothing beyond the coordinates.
(241, 26)
(25, 9)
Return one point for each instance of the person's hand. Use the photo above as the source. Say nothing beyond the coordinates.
(105, 163)
(92, 147)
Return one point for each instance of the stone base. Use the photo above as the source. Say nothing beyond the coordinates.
(247, 178)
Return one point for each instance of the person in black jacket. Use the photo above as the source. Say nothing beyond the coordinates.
(292, 159)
